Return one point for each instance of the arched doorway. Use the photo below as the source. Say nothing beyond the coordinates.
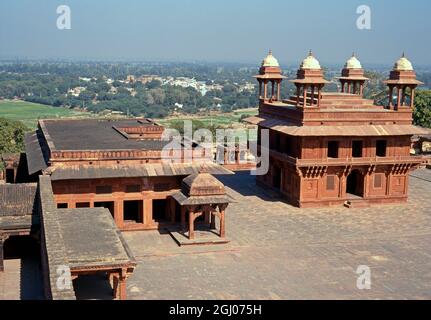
(355, 184)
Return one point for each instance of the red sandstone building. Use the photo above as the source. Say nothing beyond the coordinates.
(97, 177)
(113, 164)
(329, 148)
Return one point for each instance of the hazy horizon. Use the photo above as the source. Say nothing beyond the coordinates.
(222, 31)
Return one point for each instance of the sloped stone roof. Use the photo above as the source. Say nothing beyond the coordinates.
(18, 199)
(202, 184)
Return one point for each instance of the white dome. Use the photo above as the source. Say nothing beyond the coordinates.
(270, 61)
(353, 63)
(403, 64)
(310, 63)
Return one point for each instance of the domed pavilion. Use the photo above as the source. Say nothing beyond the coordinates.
(352, 77)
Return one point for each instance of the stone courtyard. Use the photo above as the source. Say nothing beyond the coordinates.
(277, 251)
(281, 252)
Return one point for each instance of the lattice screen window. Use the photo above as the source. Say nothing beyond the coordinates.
(378, 181)
(330, 183)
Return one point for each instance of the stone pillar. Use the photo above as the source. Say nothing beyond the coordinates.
(119, 213)
(222, 224)
(342, 86)
(298, 92)
(141, 211)
(391, 93)
(213, 221)
(403, 96)
(319, 92)
(272, 89)
(412, 97)
(260, 89)
(367, 180)
(148, 212)
(348, 87)
(305, 96)
(119, 287)
(312, 95)
(278, 90)
(341, 186)
(115, 284)
(191, 225)
(398, 97)
(122, 294)
(265, 89)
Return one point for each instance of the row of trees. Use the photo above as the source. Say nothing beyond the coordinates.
(50, 84)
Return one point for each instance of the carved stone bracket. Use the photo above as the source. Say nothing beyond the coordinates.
(347, 170)
(312, 171)
(3, 237)
(401, 168)
(371, 169)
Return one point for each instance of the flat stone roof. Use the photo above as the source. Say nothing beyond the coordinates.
(94, 134)
(91, 238)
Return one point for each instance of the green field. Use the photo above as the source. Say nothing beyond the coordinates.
(222, 119)
(30, 113)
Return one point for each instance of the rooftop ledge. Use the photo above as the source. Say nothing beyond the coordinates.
(282, 104)
(350, 161)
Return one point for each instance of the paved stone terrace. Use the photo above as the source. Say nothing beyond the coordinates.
(281, 252)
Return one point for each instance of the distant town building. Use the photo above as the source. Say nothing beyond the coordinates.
(76, 91)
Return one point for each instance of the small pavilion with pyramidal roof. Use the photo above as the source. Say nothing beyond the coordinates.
(202, 197)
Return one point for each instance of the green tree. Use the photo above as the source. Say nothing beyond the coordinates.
(422, 111)
(11, 136)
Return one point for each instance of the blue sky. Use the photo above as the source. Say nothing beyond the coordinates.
(216, 31)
